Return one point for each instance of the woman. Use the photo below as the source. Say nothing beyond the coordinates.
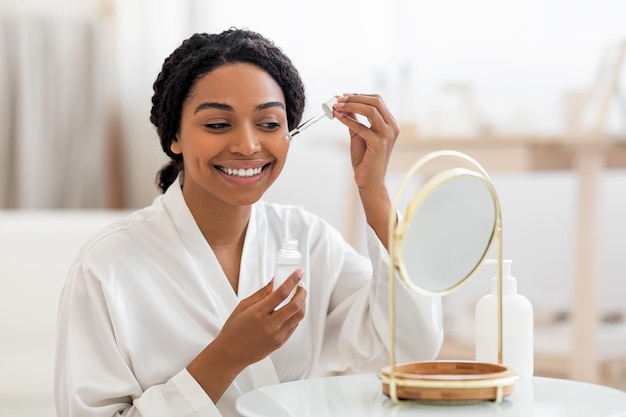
(171, 311)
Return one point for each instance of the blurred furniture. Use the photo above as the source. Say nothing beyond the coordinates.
(37, 248)
(361, 395)
(587, 155)
(586, 150)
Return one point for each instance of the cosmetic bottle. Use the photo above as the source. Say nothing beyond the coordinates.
(517, 326)
(287, 261)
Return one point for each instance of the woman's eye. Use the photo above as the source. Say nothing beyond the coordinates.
(270, 125)
(216, 126)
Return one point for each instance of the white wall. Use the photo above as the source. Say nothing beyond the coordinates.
(518, 58)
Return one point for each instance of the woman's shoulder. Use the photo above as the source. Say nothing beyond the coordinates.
(142, 225)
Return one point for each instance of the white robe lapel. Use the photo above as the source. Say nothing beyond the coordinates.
(223, 299)
(251, 277)
(254, 273)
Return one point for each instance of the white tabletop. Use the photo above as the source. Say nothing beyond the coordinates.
(361, 395)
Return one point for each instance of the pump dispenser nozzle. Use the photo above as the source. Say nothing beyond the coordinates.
(509, 284)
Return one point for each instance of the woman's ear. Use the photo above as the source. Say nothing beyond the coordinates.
(175, 146)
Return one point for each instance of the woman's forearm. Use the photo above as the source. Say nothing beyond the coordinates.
(377, 207)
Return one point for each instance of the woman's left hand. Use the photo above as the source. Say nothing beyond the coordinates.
(370, 146)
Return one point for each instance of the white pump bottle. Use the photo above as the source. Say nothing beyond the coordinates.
(517, 326)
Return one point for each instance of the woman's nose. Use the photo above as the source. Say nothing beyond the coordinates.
(245, 141)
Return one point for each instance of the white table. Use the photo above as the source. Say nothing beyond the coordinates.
(361, 395)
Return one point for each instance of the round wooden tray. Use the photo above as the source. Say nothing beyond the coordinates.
(449, 381)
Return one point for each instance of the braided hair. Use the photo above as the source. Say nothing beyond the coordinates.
(199, 55)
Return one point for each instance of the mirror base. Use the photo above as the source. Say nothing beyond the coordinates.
(452, 382)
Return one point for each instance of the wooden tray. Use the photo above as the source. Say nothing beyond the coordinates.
(450, 381)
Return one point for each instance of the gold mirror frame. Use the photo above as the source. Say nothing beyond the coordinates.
(450, 381)
(415, 210)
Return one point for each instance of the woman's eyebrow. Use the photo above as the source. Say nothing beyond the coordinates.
(228, 107)
(270, 104)
(212, 105)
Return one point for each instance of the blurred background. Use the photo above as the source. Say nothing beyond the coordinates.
(533, 89)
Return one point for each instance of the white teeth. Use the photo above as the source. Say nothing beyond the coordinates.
(250, 172)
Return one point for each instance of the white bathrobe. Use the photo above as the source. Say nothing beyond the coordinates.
(146, 296)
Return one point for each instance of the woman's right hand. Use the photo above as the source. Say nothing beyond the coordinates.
(253, 331)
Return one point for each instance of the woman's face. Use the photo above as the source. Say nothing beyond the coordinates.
(233, 136)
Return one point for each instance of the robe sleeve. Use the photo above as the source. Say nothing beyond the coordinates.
(92, 376)
(357, 328)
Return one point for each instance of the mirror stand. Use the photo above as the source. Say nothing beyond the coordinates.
(449, 225)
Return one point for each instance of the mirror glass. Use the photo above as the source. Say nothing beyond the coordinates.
(446, 231)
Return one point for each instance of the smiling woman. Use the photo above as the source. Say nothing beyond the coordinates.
(172, 310)
(232, 137)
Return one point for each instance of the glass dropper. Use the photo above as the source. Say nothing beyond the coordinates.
(327, 108)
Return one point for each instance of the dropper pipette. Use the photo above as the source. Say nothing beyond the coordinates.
(327, 108)
(307, 124)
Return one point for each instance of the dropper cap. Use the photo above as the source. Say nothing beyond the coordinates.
(327, 106)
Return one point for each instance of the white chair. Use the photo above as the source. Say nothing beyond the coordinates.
(36, 249)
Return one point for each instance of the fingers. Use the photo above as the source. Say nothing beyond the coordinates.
(286, 289)
(267, 298)
(259, 295)
(290, 283)
(370, 106)
(293, 312)
(382, 129)
(291, 293)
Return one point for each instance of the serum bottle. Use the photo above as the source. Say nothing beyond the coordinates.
(287, 261)
(517, 326)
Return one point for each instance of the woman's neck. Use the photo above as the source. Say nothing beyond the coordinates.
(222, 227)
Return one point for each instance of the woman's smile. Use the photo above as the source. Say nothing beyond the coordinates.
(243, 175)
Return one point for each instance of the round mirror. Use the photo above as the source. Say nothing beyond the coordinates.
(446, 231)
(443, 237)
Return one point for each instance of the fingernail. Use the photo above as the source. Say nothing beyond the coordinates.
(299, 274)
